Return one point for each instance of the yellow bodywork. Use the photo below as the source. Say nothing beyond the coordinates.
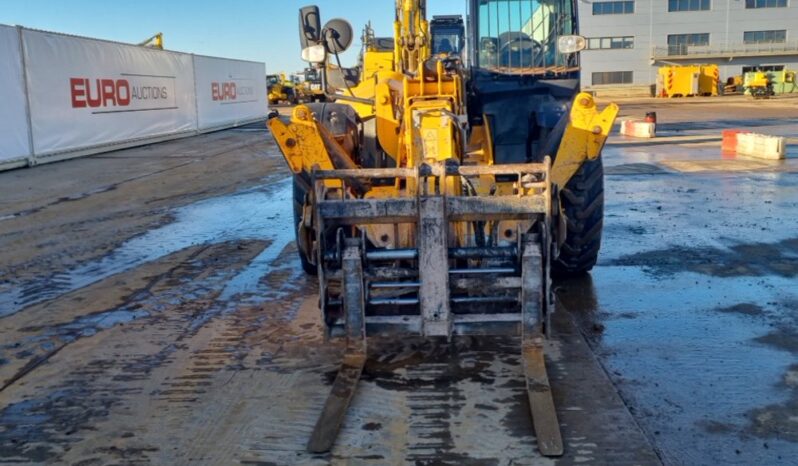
(421, 117)
(760, 79)
(301, 142)
(584, 137)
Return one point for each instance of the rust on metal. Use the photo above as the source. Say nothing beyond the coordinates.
(541, 403)
(334, 411)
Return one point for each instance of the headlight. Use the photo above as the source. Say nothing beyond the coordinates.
(571, 44)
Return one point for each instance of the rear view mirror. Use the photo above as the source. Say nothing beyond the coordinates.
(309, 26)
(338, 35)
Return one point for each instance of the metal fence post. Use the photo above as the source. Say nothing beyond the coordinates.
(32, 156)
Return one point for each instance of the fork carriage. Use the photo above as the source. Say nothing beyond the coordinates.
(485, 282)
(441, 284)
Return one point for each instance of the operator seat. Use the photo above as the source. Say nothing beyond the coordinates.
(445, 47)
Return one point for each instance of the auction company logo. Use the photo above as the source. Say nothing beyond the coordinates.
(143, 93)
(229, 91)
(223, 91)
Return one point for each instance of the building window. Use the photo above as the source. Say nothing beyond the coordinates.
(613, 8)
(765, 3)
(613, 77)
(688, 5)
(765, 37)
(679, 43)
(763, 68)
(608, 43)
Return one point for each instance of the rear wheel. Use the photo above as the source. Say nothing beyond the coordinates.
(582, 200)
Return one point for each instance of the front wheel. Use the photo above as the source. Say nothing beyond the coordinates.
(582, 200)
(299, 201)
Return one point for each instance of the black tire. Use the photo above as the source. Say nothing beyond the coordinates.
(299, 201)
(583, 203)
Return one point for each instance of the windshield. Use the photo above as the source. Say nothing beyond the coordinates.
(311, 75)
(522, 34)
(446, 41)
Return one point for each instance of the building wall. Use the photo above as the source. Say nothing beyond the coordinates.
(651, 23)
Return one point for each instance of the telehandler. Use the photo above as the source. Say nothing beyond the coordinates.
(474, 185)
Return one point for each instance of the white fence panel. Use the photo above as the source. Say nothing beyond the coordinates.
(14, 136)
(87, 93)
(229, 92)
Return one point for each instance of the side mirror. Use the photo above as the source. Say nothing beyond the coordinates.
(315, 54)
(309, 26)
(338, 35)
(571, 44)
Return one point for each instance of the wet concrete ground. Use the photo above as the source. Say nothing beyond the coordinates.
(152, 312)
(692, 309)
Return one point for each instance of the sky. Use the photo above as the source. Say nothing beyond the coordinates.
(260, 30)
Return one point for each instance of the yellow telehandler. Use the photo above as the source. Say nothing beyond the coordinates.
(473, 186)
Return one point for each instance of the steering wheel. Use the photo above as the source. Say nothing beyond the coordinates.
(527, 47)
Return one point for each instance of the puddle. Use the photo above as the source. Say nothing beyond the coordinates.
(90, 325)
(756, 259)
(263, 213)
(711, 216)
(248, 280)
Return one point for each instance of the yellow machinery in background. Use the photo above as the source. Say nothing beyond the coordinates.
(155, 42)
(436, 199)
(281, 89)
(311, 88)
(759, 85)
(764, 84)
(733, 85)
(687, 81)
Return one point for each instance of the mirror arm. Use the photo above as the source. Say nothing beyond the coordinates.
(350, 98)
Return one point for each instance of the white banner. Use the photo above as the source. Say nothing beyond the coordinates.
(229, 91)
(86, 93)
(14, 141)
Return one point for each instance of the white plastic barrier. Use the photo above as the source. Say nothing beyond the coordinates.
(70, 96)
(86, 93)
(14, 131)
(761, 146)
(229, 92)
(638, 129)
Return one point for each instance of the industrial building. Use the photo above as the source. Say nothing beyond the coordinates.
(629, 40)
